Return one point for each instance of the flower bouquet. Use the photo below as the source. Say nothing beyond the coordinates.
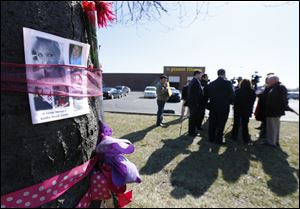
(96, 13)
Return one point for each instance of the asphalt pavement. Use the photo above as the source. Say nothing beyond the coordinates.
(135, 102)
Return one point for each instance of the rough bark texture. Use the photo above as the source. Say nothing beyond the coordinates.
(32, 153)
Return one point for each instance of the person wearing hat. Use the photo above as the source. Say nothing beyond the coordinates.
(162, 92)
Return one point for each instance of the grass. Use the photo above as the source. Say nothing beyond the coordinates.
(181, 171)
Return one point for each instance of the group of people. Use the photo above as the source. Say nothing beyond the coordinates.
(217, 96)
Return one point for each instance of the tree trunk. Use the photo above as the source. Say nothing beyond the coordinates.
(33, 153)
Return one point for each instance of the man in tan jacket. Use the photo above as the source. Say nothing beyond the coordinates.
(162, 91)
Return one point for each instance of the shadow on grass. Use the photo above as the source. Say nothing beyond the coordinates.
(171, 148)
(196, 173)
(235, 161)
(176, 121)
(275, 164)
(161, 157)
(138, 135)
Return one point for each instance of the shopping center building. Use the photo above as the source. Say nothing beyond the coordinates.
(177, 75)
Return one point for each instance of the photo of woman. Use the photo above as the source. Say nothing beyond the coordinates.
(75, 54)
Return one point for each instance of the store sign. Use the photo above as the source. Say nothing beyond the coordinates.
(185, 69)
(177, 69)
(189, 69)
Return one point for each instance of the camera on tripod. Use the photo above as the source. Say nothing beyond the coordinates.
(235, 80)
(255, 79)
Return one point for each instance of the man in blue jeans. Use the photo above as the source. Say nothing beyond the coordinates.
(162, 97)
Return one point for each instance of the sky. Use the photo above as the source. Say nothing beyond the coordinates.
(240, 37)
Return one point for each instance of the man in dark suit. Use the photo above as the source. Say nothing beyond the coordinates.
(220, 94)
(196, 103)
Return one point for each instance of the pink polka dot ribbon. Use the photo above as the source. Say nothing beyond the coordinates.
(110, 179)
(48, 190)
(101, 187)
(99, 190)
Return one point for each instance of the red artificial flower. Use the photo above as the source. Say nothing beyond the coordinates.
(88, 6)
(104, 13)
(124, 199)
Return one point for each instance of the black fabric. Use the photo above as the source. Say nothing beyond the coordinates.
(244, 101)
(217, 121)
(195, 94)
(194, 121)
(260, 111)
(243, 107)
(160, 110)
(40, 104)
(185, 90)
(243, 120)
(220, 94)
(196, 103)
(276, 101)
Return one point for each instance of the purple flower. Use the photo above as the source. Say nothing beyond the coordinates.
(106, 130)
(112, 146)
(123, 171)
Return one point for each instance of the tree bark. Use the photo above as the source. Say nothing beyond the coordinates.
(33, 153)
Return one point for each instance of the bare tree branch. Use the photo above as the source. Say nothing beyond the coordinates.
(160, 6)
(140, 12)
(129, 8)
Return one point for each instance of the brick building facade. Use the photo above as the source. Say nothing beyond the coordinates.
(178, 77)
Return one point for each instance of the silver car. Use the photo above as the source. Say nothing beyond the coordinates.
(150, 92)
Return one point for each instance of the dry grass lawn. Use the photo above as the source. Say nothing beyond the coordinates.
(181, 171)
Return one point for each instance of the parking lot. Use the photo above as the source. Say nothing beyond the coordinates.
(135, 102)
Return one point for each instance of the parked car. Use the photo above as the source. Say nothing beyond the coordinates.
(150, 92)
(176, 95)
(111, 93)
(123, 89)
(127, 89)
(293, 95)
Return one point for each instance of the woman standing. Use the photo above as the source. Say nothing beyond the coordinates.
(243, 106)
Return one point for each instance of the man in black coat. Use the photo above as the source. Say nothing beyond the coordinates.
(196, 102)
(220, 94)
